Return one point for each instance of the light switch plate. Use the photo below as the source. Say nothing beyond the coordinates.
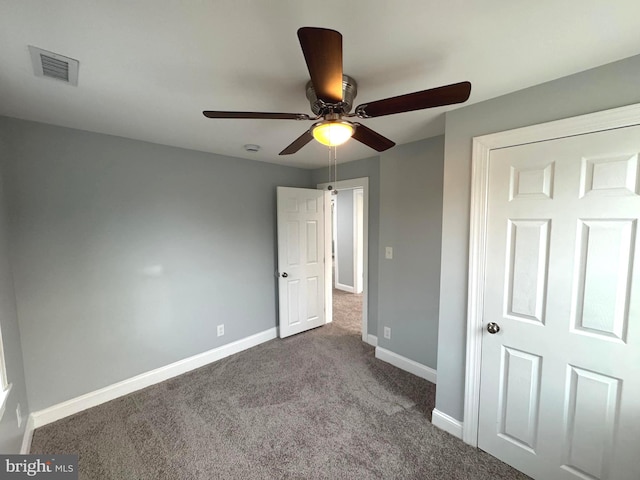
(388, 253)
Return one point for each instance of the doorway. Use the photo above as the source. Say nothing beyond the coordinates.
(348, 223)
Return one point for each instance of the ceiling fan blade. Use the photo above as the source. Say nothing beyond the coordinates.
(298, 143)
(371, 138)
(322, 49)
(435, 97)
(257, 115)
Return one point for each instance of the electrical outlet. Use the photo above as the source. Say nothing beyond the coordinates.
(221, 330)
(19, 416)
(388, 253)
(387, 333)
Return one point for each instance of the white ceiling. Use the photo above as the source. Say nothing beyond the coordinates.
(148, 68)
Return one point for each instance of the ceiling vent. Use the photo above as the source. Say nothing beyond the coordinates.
(53, 65)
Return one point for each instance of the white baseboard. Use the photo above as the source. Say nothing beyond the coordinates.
(372, 340)
(125, 387)
(446, 423)
(28, 435)
(345, 288)
(406, 364)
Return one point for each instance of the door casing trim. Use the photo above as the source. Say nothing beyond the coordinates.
(482, 147)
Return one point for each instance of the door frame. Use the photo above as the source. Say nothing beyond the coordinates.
(353, 183)
(482, 146)
(358, 240)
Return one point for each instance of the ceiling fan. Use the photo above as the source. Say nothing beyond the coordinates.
(331, 95)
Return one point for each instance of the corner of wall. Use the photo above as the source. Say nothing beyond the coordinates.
(10, 433)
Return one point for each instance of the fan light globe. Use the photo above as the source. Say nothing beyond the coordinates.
(332, 133)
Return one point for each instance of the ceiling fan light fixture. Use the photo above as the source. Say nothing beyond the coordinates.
(331, 99)
(332, 132)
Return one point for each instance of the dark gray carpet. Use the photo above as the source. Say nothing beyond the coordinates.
(347, 311)
(314, 406)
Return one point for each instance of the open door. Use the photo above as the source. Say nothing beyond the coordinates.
(301, 259)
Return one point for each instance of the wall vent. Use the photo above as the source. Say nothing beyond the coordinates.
(53, 65)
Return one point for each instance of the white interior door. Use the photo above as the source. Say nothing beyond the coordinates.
(301, 259)
(560, 381)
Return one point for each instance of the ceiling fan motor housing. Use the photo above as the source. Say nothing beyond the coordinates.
(349, 92)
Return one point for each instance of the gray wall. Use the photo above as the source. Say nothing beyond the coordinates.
(126, 254)
(344, 244)
(370, 168)
(410, 221)
(609, 86)
(10, 434)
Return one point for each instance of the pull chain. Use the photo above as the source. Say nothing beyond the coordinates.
(335, 169)
(329, 168)
(333, 185)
